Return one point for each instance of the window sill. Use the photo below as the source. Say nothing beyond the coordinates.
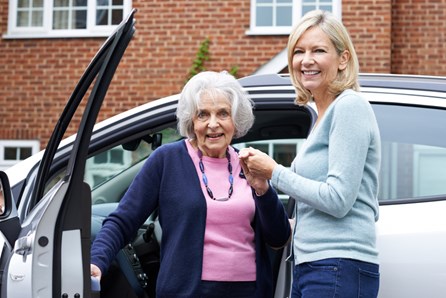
(64, 34)
(268, 31)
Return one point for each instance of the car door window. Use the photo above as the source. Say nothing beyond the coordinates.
(413, 151)
(110, 172)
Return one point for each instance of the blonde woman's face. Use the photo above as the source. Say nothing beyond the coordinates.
(213, 126)
(316, 62)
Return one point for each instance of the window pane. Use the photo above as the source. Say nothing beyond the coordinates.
(117, 16)
(264, 16)
(78, 3)
(307, 8)
(80, 19)
(109, 13)
(431, 164)
(117, 156)
(60, 19)
(413, 161)
(23, 3)
(70, 14)
(17, 153)
(284, 153)
(284, 15)
(261, 147)
(61, 3)
(37, 19)
(25, 152)
(10, 153)
(412, 170)
(265, 1)
(326, 7)
(308, 5)
(102, 17)
(29, 13)
(100, 158)
(22, 18)
(109, 164)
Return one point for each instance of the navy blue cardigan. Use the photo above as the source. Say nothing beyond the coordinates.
(168, 180)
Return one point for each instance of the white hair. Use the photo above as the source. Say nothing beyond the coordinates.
(212, 84)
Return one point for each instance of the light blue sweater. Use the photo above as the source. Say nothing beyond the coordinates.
(334, 179)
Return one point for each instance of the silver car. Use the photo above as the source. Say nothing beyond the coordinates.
(55, 201)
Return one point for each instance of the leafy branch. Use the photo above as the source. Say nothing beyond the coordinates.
(202, 56)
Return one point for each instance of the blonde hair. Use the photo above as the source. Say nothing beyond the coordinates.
(338, 34)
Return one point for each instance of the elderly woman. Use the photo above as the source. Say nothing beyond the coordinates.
(216, 221)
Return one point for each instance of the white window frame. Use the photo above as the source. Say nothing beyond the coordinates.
(46, 31)
(33, 144)
(296, 14)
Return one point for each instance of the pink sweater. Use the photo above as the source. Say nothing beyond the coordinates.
(229, 253)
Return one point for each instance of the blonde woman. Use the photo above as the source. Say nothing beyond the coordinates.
(334, 177)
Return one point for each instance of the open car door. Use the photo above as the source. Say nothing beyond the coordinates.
(48, 254)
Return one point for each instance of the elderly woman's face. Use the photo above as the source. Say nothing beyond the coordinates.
(213, 125)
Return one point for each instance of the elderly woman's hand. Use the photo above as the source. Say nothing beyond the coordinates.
(95, 271)
(257, 167)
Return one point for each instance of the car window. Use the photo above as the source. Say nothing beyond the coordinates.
(282, 150)
(413, 151)
(105, 165)
(110, 172)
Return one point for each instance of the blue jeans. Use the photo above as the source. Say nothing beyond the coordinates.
(336, 278)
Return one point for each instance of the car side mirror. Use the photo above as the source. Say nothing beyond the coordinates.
(156, 140)
(9, 221)
(5, 194)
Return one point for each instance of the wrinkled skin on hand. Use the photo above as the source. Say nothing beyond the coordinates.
(257, 167)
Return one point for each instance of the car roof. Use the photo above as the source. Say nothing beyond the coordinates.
(378, 80)
(392, 88)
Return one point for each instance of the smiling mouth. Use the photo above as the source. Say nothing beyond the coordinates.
(310, 72)
(213, 136)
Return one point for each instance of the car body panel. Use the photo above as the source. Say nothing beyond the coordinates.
(31, 265)
(411, 244)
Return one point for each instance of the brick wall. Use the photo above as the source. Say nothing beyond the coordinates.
(419, 37)
(369, 24)
(38, 75)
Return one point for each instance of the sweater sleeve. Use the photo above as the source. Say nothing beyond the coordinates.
(273, 219)
(122, 224)
(347, 129)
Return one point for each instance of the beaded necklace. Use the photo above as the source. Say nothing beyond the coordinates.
(205, 179)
